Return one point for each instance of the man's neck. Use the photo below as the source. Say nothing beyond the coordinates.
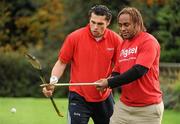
(98, 38)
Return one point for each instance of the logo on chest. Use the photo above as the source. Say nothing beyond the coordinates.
(128, 52)
(110, 49)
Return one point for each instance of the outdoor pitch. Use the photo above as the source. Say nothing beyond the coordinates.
(40, 110)
(29, 111)
(32, 111)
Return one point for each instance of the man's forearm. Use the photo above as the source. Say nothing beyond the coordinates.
(58, 69)
(132, 74)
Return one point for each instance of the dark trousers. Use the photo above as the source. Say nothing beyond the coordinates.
(80, 111)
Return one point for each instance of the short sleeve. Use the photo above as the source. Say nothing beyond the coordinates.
(147, 53)
(118, 43)
(117, 66)
(67, 50)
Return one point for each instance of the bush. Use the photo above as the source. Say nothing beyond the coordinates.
(171, 97)
(47, 61)
(170, 55)
(18, 79)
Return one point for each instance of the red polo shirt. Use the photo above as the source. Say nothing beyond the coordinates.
(90, 60)
(143, 50)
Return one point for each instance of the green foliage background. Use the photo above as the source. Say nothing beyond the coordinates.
(40, 26)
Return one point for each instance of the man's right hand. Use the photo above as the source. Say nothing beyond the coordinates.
(48, 91)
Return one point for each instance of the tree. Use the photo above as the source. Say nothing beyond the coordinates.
(30, 22)
(167, 31)
(162, 20)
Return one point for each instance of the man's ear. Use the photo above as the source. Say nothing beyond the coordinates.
(108, 23)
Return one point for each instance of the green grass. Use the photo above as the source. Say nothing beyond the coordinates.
(31, 111)
(40, 111)
(171, 117)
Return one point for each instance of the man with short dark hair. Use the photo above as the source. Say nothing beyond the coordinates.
(91, 50)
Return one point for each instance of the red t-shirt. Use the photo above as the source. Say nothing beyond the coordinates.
(90, 60)
(144, 50)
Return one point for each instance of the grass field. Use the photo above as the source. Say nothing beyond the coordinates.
(40, 111)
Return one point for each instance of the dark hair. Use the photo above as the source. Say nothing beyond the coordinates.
(135, 15)
(101, 10)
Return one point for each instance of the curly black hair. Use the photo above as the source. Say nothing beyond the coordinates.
(101, 10)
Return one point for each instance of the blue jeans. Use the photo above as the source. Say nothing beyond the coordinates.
(80, 110)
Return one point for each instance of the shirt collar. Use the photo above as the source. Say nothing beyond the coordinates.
(136, 36)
